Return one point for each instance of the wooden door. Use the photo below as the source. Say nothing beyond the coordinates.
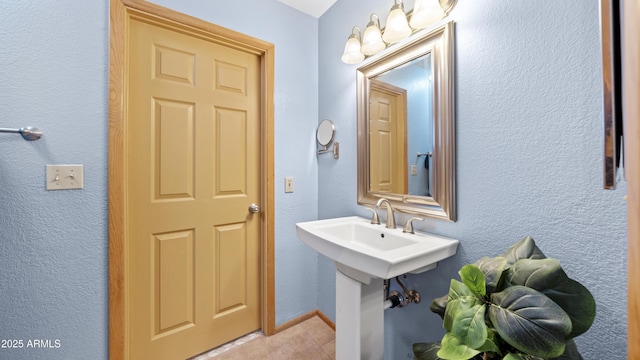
(193, 170)
(387, 139)
(631, 92)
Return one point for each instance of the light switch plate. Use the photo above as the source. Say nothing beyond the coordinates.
(288, 184)
(64, 177)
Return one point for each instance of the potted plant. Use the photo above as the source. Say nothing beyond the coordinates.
(521, 305)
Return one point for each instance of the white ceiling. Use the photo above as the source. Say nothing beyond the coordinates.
(314, 8)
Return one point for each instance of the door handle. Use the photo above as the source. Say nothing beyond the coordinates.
(254, 208)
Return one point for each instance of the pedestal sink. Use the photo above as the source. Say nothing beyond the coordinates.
(365, 255)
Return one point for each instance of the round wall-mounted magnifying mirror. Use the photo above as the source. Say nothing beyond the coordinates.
(325, 133)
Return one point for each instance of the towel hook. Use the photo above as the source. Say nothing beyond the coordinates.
(29, 133)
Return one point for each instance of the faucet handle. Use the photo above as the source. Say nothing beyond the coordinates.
(408, 227)
(374, 218)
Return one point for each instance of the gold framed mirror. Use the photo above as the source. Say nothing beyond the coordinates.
(406, 125)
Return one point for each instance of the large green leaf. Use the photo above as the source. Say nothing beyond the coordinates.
(455, 308)
(453, 349)
(491, 345)
(473, 278)
(529, 321)
(523, 249)
(426, 351)
(512, 356)
(577, 302)
(460, 298)
(469, 326)
(492, 268)
(548, 277)
(459, 290)
(439, 305)
(538, 274)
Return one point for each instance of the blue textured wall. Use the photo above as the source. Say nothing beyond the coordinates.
(53, 245)
(529, 148)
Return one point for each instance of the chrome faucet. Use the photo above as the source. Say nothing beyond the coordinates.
(391, 219)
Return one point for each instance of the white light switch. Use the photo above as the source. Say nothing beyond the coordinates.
(61, 177)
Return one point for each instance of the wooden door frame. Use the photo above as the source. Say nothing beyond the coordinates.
(118, 331)
(631, 109)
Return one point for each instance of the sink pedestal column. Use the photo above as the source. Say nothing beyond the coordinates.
(359, 317)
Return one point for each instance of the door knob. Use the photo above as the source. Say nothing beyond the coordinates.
(254, 208)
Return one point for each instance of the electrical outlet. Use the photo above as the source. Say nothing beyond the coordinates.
(414, 170)
(288, 184)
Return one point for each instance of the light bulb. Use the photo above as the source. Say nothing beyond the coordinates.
(372, 39)
(352, 54)
(425, 13)
(397, 27)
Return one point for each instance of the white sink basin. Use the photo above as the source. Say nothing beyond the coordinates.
(373, 250)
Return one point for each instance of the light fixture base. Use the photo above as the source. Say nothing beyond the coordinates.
(448, 5)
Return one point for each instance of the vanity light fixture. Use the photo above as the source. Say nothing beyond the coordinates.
(425, 13)
(372, 42)
(352, 53)
(397, 27)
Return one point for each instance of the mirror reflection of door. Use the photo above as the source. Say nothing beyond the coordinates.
(387, 138)
(414, 78)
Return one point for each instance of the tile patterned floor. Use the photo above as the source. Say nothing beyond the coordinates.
(312, 339)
